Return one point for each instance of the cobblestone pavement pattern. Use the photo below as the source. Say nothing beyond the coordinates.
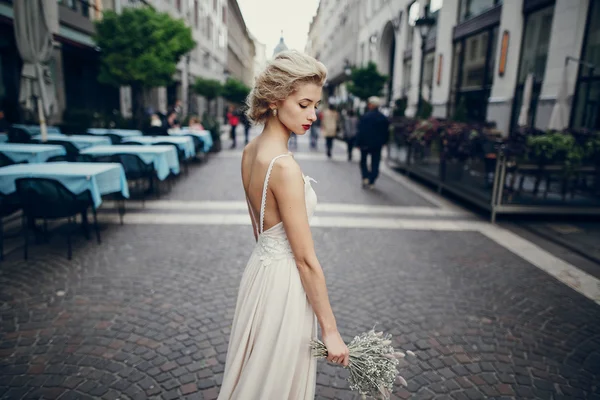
(147, 313)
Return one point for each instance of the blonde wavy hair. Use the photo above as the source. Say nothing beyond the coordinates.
(280, 78)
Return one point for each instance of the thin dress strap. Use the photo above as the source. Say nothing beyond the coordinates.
(254, 224)
(263, 201)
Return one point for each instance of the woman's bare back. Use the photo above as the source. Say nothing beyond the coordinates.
(256, 157)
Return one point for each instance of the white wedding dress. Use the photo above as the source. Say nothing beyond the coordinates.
(269, 355)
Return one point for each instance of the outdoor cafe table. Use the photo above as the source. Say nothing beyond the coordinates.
(185, 143)
(163, 158)
(79, 141)
(99, 178)
(37, 130)
(119, 132)
(203, 135)
(32, 153)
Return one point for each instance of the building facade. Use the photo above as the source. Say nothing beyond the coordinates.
(76, 63)
(260, 56)
(332, 40)
(208, 22)
(240, 46)
(477, 56)
(74, 67)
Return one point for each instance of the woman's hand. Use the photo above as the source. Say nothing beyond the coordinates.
(337, 351)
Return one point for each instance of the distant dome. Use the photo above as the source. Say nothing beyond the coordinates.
(280, 47)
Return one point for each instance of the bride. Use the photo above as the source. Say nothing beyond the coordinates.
(282, 293)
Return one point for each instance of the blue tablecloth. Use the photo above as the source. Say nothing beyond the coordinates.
(98, 178)
(80, 141)
(32, 153)
(204, 135)
(164, 158)
(119, 132)
(185, 143)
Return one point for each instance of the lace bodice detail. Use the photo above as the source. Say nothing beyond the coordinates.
(273, 244)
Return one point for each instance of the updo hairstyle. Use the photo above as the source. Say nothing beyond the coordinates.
(281, 77)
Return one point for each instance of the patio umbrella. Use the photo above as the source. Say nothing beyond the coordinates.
(524, 114)
(34, 41)
(560, 111)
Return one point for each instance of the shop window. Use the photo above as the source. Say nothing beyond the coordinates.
(428, 74)
(534, 52)
(472, 8)
(586, 108)
(536, 40)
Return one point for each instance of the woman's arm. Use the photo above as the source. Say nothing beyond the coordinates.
(287, 186)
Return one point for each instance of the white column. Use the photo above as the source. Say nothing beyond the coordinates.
(444, 46)
(413, 95)
(162, 99)
(125, 99)
(503, 90)
(399, 57)
(566, 39)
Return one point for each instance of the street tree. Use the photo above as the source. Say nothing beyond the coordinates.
(210, 89)
(235, 91)
(366, 82)
(140, 48)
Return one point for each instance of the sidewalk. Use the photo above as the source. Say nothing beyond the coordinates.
(580, 237)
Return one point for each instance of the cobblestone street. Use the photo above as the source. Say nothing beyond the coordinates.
(147, 313)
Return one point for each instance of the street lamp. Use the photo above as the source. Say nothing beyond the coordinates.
(424, 24)
(347, 67)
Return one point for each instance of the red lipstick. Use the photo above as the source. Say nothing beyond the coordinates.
(306, 127)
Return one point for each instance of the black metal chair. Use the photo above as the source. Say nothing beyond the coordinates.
(9, 204)
(47, 199)
(114, 138)
(136, 169)
(156, 131)
(198, 143)
(18, 135)
(77, 158)
(6, 160)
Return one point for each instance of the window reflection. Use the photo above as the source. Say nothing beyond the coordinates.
(473, 8)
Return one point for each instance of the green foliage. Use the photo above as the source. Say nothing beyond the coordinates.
(426, 110)
(366, 82)
(209, 88)
(235, 91)
(210, 123)
(555, 147)
(141, 47)
(592, 149)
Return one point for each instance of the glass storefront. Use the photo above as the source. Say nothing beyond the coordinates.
(534, 53)
(473, 73)
(586, 107)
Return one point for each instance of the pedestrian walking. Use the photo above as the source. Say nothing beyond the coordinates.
(282, 292)
(315, 130)
(233, 121)
(350, 130)
(373, 134)
(329, 127)
(247, 124)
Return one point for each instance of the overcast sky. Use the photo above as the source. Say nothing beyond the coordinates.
(267, 18)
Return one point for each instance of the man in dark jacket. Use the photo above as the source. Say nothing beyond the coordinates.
(373, 133)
